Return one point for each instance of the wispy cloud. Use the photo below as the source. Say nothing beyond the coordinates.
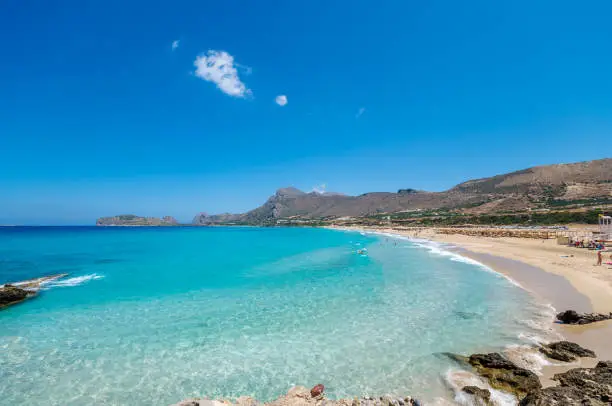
(320, 189)
(175, 44)
(281, 100)
(247, 70)
(219, 68)
(360, 112)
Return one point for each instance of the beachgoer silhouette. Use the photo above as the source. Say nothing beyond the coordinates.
(599, 258)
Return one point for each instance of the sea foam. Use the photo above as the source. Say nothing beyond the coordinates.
(74, 281)
(457, 379)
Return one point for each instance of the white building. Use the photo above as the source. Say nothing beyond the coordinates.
(605, 226)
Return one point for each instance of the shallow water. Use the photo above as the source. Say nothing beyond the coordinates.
(149, 316)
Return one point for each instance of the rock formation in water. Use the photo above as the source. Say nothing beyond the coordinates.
(579, 386)
(565, 351)
(10, 295)
(505, 375)
(17, 292)
(300, 396)
(133, 220)
(481, 396)
(573, 317)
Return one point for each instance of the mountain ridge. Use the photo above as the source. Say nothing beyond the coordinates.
(537, 187)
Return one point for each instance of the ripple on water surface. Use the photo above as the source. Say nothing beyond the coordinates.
(230, 312)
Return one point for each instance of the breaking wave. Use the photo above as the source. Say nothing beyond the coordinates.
(75, 281)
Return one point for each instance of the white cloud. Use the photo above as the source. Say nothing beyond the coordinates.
(320, 189)
(360, 112)
(281, 100)
(218, 67)
(175, 44)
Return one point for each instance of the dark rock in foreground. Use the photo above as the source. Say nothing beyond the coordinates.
(573, 317)
(565, 351)
(505, 375)
(300, 396)
(481, 396)
(10, 294)
(579, 386)
(17, 292)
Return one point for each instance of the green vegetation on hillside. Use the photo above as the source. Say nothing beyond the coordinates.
(526, 219)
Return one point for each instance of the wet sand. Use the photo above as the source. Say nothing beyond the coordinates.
(562, 276)
(546, 287)
(561, 294)
(574, 264)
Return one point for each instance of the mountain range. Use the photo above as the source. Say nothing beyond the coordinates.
(537, 188)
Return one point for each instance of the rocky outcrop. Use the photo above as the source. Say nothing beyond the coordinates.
(481, 396)
(579, 386)
(10, 295)
(505, 375)
(300, 396)
(317, 390)
(565, 351)
(133, 220)
(169, 220)
(17, 292)
(204, 219)
(573, 317)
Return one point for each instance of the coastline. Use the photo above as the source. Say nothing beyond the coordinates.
(563, 277)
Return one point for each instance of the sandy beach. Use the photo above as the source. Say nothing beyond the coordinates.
(574, 264)
(562, 276)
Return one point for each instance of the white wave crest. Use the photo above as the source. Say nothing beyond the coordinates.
(442, 249)
(75, 281)
(527, 356)
(457, 379)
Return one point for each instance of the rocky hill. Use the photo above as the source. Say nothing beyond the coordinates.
(541, 187)
(133, 220)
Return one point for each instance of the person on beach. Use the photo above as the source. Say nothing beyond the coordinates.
(599, 258)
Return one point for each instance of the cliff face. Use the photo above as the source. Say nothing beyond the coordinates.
(133, 220)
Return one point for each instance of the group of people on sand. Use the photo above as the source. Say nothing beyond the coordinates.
(592, 245)
(597, 245)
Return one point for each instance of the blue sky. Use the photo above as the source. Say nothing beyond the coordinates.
(100, 114)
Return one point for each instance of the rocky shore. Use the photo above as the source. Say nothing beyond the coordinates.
(10, 295)
(578, 386)
(300, 396)
(573, 317)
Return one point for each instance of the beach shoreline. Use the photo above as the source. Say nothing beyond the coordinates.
(560, 276)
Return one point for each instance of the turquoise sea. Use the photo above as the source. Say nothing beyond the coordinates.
(150, 316)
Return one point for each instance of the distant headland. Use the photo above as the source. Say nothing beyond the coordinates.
(133, 220)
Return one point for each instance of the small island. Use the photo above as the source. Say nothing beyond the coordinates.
(133, 220)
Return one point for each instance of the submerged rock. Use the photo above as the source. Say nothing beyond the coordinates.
(573, 317)
(505, 375)
(10, 294)
(578, 386)
(565, 351)
(481, 396)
